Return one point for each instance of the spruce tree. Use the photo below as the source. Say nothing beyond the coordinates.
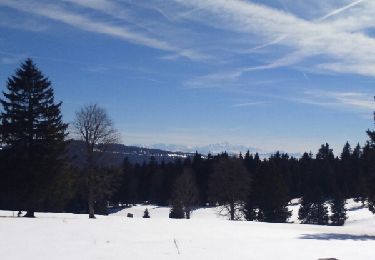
(313, 209)
(344, 177)
(33, 133)
(369, 154)
(338, 210)
(304, 211)
(177, 210)
(325, 170)
(272, 197)
(146, 214)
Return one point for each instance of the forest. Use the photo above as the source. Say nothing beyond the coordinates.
(38, 175)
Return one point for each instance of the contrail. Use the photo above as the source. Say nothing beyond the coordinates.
(275, 41)
(330, 14)
(339, 10)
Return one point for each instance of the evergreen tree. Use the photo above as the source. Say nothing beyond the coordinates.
(177, 210)
(304, 214)
(344, 176)
(146, 214)
(358, 183)
(202, 170)
(127, 190)
(33, 134)
(313, 209)
(272, 192)
(369, 155)
(338, 210)
(250, 207)
(324, 170)
(320, 213)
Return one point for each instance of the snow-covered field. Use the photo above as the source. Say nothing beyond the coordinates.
(205, 236)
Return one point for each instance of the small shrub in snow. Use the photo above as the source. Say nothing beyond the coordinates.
(338, 210)
(146, 214)
(177, 210)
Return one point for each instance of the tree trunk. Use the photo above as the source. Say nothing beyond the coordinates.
(91, 196)
(187, 213)
(29, 214)
(91, 200)
(231, 211)
(91, 208)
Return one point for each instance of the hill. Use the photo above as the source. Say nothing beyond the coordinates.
(205, 236)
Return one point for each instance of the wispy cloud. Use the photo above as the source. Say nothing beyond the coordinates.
(179, 27)
(9, 21)
(352, 101)
(231, 76)
(339, 10)
(60, 14)
(11, 58)
(250, 104)
(306, 38)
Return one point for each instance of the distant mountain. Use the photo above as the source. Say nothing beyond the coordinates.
(206, 149)
(216, 149)
(229, 148)
(115, 154)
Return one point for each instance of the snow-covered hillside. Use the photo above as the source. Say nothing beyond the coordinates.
(205, 236)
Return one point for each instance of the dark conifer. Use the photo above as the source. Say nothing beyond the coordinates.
(338, 210)
(146, 214)
(272, 191)
(313, 209)
(177, 210)
(369, 155)
(33, 132)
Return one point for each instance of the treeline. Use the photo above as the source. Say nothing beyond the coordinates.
(262, 189)
(37, 173)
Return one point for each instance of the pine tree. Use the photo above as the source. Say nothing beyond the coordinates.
(33, 132)
(359, 181)
(344, 177)
(146, 214)
(177, 210)
(320, 213)
(338, 210)
(272, 197)
(313, 209)
(369, 154)
(324, 170)
(313, 213)
(304, 211)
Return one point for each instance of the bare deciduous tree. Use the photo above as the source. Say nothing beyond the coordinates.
(185, 191)
(93, 126)
(229, 186)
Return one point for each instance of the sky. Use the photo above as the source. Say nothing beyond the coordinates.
(274, 74)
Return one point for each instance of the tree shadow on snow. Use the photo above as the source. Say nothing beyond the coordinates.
(116, 209)
(333, 236)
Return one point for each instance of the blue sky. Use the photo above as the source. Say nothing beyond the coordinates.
(275, 74)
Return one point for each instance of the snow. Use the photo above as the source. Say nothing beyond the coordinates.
(206, 236)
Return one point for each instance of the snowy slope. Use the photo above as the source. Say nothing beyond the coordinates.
(69, 236)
